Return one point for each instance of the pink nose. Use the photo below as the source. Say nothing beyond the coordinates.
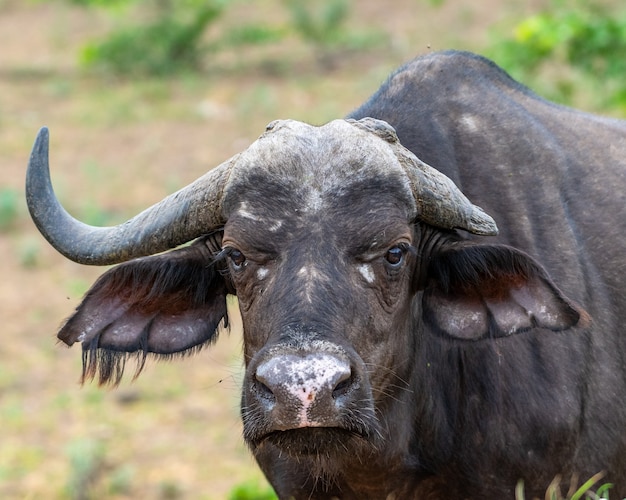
(304, 391)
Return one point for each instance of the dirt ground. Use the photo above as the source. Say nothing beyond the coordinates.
(117, 147)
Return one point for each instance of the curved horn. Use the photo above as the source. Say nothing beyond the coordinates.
(177, 219)
(439, 201)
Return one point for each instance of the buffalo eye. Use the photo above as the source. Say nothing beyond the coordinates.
(394, 257)
(237, 259)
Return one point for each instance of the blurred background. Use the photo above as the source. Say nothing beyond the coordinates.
(142, 97)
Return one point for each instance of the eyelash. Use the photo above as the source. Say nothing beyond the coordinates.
(404, 249)
(235, 255)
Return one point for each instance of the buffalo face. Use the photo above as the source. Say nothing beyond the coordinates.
(321, 300)
(322, 268)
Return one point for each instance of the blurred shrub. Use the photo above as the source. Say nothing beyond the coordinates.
(92, 475)
(100, 3)
(172, 39)
(9, 212)
(28, 253)
(160, 37)
(323, 25)
(86, 458)
(584, 36)
(251, 490)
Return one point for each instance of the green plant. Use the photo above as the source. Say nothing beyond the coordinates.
(120, 480)
(101, 3)
(172, 41)
(170, 490)
(29, 250)
(91, 474)
(9, 212)
(251, 34)
(323, 25)
(164, 37)
(553, 492)
(252, 490)
(86, 459)
(583, 36)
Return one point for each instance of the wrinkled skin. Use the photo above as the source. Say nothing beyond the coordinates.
(304, 281)
(387, 357)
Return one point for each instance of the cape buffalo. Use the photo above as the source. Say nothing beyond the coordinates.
(397, 345)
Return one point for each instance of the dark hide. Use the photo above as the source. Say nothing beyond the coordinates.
(554, 179)
(447, 366)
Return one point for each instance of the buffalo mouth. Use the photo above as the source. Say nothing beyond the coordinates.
(314, 441)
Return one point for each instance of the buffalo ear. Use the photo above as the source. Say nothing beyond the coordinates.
(166, 304)
(476, 292)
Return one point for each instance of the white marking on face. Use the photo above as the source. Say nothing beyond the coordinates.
(307, 285)
(262, 273)
(275, 225)
(315, 201)
(367, 272)
(309, 276)
(242, 211)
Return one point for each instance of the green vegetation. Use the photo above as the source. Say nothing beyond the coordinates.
(28, 252)
(9, 211)
(574, 45)
(91, 476)
(171, 41)
(324, 26)
(177, 34)
(576, 493)
(568, 44)
(86, 458)
(252, 490)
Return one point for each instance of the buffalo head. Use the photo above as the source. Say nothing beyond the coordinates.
(343, 250)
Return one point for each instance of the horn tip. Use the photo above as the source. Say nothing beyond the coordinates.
(43, 135)
(41, 143)
(482, 223)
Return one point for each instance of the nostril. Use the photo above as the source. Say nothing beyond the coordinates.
(262, 389)
(343, 384)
